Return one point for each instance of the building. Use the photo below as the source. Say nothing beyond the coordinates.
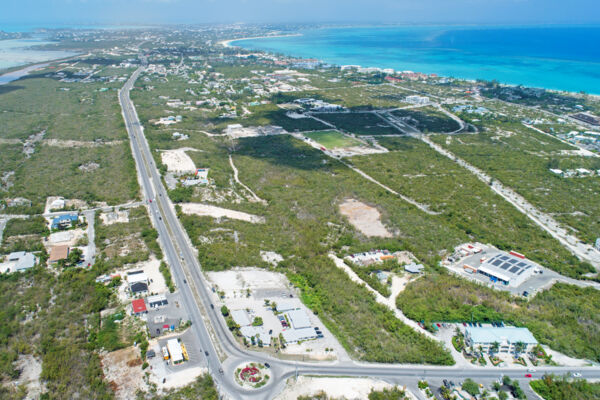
(597, 245)
(417, 99)
(414, 268)
(297, 335)
(256, 333)
(511, 269)
(139, 289)
(27, 261)
(58, 253)
(175, 351)
(287, 305)
(134, 277)
(506, 337)
(64, 221)
(299, 319)
(157, 301)
(138, 307)
(241, 317)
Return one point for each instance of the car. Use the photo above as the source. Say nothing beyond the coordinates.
(206, 353)
(576, 374)
(267, 365)
(445, 381)
(317, 328)
(185, 281)
(464, 324)
(525, 293)
(531, 370)
(212, 306)
(439, 326)
(150, 200)
(479, 324)
(319, 336)
(527, 375)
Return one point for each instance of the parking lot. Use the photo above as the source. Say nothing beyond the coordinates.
(159, 320)
(247, 289)
(542, 277)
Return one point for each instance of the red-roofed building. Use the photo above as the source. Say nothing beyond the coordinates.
(139, 307)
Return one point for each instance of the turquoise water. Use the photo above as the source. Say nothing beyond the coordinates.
(14, 53)
(552, 57)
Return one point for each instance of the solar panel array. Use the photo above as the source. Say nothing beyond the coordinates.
(509, 264)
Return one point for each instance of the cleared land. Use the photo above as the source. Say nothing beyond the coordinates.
(364, 218)
(359, 123)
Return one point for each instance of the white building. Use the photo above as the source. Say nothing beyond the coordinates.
(414, 99)
(506, 337)
(175, 351)
(297, 335)
(299, 319)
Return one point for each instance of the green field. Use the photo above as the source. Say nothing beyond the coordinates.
(333, 139)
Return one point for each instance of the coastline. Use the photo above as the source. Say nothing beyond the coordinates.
(227, 42)
(559, 82)
(15, 73)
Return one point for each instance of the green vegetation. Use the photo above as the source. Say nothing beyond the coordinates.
(359, 123)
(471, 387)
(127, 242)
(551, 387)
(166, 272)
(565, 317)
(37, 105)
(394, 393)
(49, 317)
(332, 139)
(520, 158)
(427, 119)
(415, 170)
(369, 275)
(31, 226)
(203, 389)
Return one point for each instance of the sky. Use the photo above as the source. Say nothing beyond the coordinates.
(306, 11)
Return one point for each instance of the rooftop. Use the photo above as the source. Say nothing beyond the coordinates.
(138, 306)
(175, 350)
(491, 335)
(58, 253)
(241, 317)
(506, 266)
(299, 319)
(295, 335)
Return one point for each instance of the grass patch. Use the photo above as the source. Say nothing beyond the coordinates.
(333, 139)
(359, 123)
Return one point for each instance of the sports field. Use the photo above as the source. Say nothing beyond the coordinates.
(333, 139)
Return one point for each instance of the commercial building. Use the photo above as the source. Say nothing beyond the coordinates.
(175, 351)
(139, 289)
(134, 277)
(241, 317)
(511, 269)
(506, 337)
(157, 301)
(256, 333)
(138, 307)
(299, 319)
(287, 305)
(297, 335)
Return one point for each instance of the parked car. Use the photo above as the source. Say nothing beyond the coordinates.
(576, 374)
(527, 375)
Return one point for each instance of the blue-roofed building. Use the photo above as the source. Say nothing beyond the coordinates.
(506, 337)
(64, 221)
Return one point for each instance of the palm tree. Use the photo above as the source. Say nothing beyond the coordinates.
(519, 347)
(494, 347)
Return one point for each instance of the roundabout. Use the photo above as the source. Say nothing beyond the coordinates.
(252, 375)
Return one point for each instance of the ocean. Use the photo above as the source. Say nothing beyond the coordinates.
(551, 57)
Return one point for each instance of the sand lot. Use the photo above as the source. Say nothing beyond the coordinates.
(31, 369)
(338, 388)
(364, 218)
(178, 161)
(123, 372)
(205, 210)
(119, 216)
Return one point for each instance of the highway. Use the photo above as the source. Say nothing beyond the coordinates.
(224, 355)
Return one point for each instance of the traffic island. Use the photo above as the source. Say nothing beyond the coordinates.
(252, 375)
